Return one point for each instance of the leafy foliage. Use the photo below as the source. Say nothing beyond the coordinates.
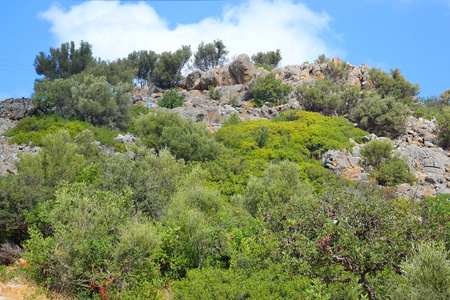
(321, 97)
(102, 104)
(172, 99)
(444, 127)
(184, 138)
(271, 58)
(54, 96)
(166, 72)
(145, 62)
(272, 90)
(395, 85)
(152, 179)
(210, 55)
(120, 70)
(34, 129)
(64, 62)
(427, 272)
(388, 169)
(97, 246)
(214, 93)
(382, 116)
(304, 136)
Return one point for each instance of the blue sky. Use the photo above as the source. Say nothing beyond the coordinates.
(412, 35)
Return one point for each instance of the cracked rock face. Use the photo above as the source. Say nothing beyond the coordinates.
(430, 164)
(16, 109)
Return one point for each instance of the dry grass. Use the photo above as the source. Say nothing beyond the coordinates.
(248, 105)
(15, 286)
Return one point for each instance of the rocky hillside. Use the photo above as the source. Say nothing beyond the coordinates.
(430, 163)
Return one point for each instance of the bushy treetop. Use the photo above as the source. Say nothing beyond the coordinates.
(210, 55)
(65, 61)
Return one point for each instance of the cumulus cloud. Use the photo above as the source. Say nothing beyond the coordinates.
(116, 29)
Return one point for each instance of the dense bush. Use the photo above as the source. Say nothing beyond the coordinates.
(120, 70)
(172, 99)
(102, 104)
(280, 183)
(55, 96)
(427, 272)
(305, 135)
(321, 97)
(387, 169)
(382, 116)
(444, 127)
(272, 90)
(394, 85)
(326, 97)
(34, 129)
(184, 138)
(97, 246)
(151, 178)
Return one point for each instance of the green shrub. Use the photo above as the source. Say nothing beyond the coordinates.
(307, 135)
(393, 172)
(233, 119)
(265, 67)
(338, 71)
(321, 59)
(34, 129)
(268, 284)
(233, 101)
(280, 184)
(102, 104)
(428, 271)
(272, 90)
(214, 94)
(115, 72)
(321, 97)
(54, 96)
(184, 138)
(382, 116)
(97, 245)
(151, 178)
(172, 99)
(395, 85)
(387, 169)
(444, 127)
(376, 152)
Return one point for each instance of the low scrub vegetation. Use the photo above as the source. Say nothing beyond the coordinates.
(245, 212)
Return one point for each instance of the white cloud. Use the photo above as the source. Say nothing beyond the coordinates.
(116, 29)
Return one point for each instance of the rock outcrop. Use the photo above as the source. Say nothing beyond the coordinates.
(9, 154)
(16, 109)
(429, 163)
(240, 71)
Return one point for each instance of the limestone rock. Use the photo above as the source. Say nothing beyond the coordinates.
(193, 80)
(16, 109)
(241, 69)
